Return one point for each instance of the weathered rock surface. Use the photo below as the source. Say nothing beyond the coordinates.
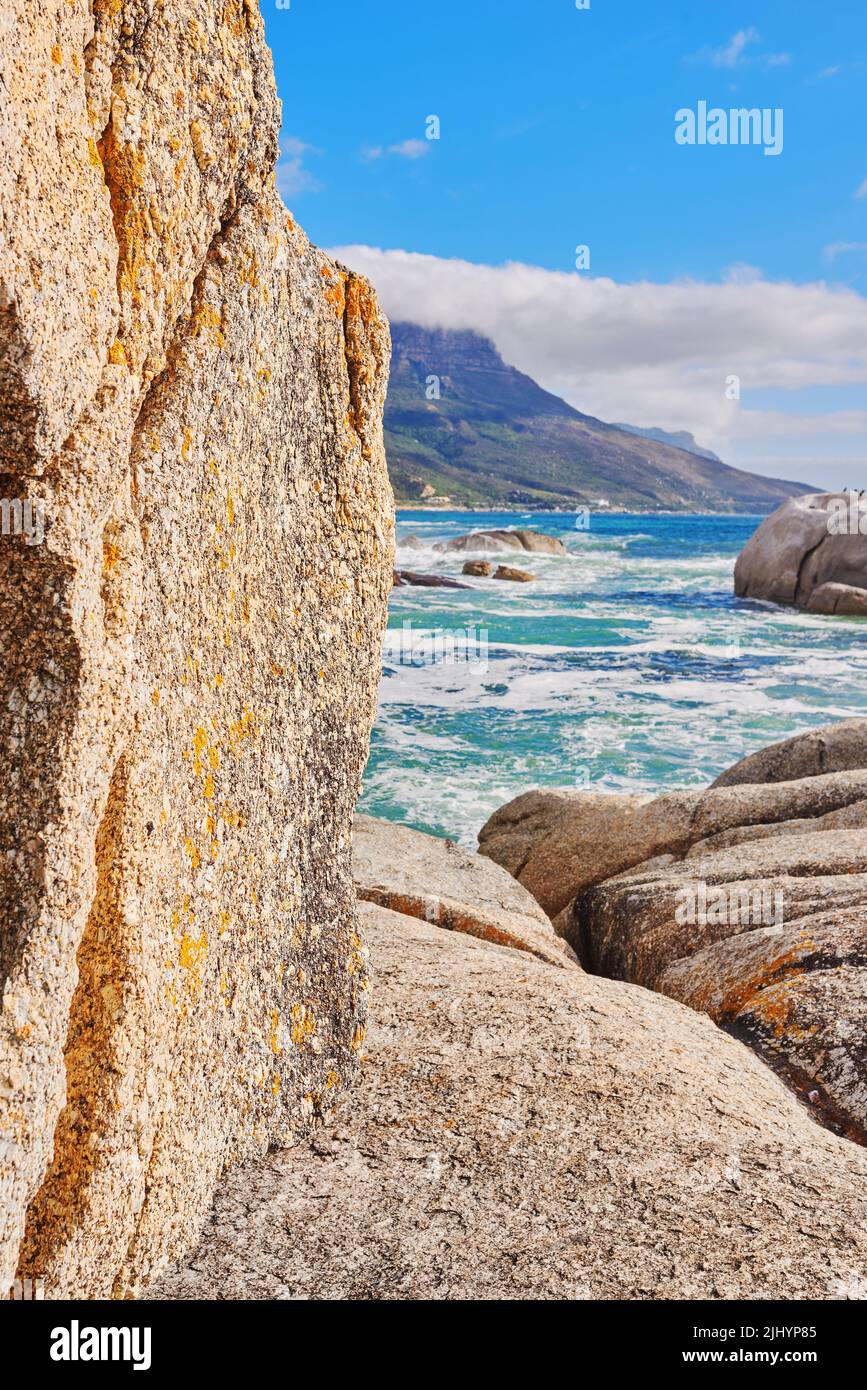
(838, 747)
(845, 600)
(437, 880)
(195, 393)
(494, 541)
(797, 993)
(767, 937)
(480, 569)
(800, 552)
(521, 1132)
(556, 843)
(764, 860)
(629, 928)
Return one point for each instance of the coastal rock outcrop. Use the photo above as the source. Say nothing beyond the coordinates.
(810, 553)
(797, 994)
(766, 937)
(193, 395)
(495, 541)
(479, 569)
(423, 876)
(746, 901)
(832, 748)
(521, 1132)
(557, 843)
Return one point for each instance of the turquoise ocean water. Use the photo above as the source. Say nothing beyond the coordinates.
(627, 666)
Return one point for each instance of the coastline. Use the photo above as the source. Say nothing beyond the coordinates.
(497, 510)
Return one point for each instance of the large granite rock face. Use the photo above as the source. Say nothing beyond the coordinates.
(423, 876)
(195, 394)
(522, 1132)
(810, 553)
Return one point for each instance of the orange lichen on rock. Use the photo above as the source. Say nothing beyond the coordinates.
(738, 995)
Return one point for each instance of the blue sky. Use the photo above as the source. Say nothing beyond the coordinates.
(557, 129)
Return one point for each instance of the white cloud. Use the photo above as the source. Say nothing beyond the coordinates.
(292, 175)
(741, 273)
(861, 190)
(404, 149)
(730, 55)
(658, 354)
(734, 53)
(843, 248)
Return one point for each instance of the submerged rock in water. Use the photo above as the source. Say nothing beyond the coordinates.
(521, 1132)
(402, 578)
(494, 541)
(514, 576)
(810, 553)
(195, 394)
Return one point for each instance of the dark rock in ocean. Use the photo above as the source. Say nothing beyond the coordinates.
(480, 569)
(426, 581)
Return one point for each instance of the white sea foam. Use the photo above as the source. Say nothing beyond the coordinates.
(626, 665)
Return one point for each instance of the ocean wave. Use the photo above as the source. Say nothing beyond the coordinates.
(628, 665)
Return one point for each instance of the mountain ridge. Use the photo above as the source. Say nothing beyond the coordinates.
(679, 439)
(462, 424)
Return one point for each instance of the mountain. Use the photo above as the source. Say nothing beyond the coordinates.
(679, 439)
(462, 423)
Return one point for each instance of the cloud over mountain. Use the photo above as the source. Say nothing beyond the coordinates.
(662, 354)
